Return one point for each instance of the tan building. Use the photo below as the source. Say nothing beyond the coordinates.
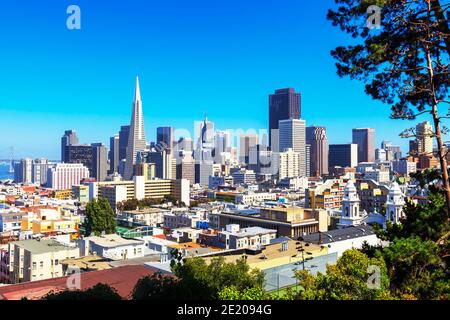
(288, 221)
(32, 260)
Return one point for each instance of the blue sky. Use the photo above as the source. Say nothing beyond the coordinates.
(217, 57)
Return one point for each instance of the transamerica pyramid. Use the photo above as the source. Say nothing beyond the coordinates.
(136, 139)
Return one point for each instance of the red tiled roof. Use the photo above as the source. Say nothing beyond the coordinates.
(123, 279)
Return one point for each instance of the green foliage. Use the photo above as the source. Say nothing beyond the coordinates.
(134, 204)
(202, 280)
(416, 269)
(98, 292)
(100, 217)
(233, 293)
(347, 280)
(391, 59)
(197, 279)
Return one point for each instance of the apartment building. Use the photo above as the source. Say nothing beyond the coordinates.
(32, 260)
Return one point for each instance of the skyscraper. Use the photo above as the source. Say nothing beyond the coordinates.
(114, 149)
(246, 142)
(317, 138)
(124, 134)
(136, 138)
(365, 139)
(69, 138)
(100, 161)
(164, 137)
(283, 104)
(343, 155)
(292, 135)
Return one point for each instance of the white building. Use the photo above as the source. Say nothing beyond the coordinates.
(112, 246)
(233, 237)
(292, 134)
(341, 240)
(249, 198)
(350, 214)
(286, 164)
(65, 175)
(394, 204)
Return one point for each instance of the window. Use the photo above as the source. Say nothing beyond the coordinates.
(56, 262)
(34, 265)
(41, 264)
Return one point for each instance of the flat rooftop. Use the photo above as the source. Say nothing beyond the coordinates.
(112, 240)
(42, 246)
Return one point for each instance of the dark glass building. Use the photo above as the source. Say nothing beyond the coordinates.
(283, 104)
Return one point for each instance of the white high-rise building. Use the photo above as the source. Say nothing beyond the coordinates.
(286, 164)
(292, 134)
(136, 138)
(65, 175)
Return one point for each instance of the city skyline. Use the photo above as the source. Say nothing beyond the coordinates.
(85, 92)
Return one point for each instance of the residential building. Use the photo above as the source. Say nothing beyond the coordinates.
(32, 260)
(112, 246)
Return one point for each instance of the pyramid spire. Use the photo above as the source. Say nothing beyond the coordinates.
(137, 91)
(136, 140)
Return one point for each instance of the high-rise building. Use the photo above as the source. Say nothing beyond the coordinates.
(308, 160)
(39, 171)
(286, 164)
(69, 138)
(317, 138)
(424, 135)
(185, 144)
(23, 171)
(186, 168)
(100, 161)
(292, 135)
(205, 134)
(136, 139)
(114, 150)
(246, 142)
(124, 134)
(164, 137)
(283, 104)
(365, 139)
(65, 175)
(343, 155)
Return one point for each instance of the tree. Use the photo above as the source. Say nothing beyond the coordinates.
(100, 217)
(233, 293)
(197, 279)
(157, 287)
(346, 280)
(404, 63)
(416, 269)
(98, 292)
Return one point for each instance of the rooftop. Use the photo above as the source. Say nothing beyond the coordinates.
(351, 232)
(112, 240)
(41, 246)
(123, 279)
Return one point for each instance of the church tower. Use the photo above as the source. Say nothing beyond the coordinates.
(394, 204)
(350, 201)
